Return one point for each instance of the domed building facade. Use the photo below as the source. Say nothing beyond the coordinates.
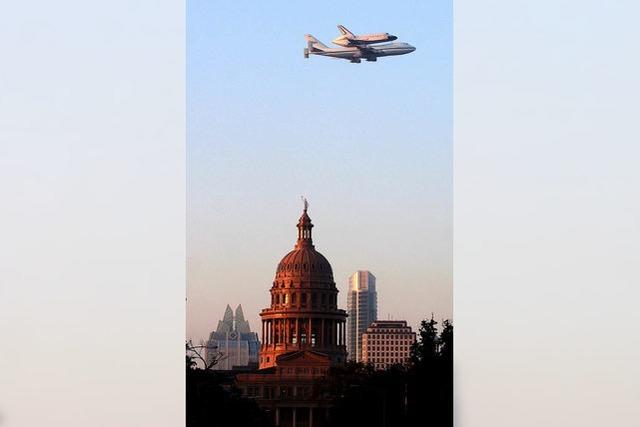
(304, 313)
(303, 336)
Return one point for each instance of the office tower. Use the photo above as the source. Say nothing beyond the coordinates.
(233, 343)
(362, 308)
(387, 342)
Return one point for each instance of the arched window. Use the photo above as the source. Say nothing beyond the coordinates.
(293, 298)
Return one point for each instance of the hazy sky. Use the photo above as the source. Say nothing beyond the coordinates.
(370, 146)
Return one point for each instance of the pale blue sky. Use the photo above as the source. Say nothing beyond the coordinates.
(369, 144)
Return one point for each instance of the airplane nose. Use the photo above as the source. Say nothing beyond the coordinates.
(392, 38)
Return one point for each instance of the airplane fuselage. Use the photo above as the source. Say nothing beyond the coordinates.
(370, 53)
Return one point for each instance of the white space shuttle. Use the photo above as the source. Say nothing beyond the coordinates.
(348, 39)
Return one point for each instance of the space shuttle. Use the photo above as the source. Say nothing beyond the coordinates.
(348, 39)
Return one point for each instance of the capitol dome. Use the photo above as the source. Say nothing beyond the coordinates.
(304, 266)
(304, 313)
(304, 262)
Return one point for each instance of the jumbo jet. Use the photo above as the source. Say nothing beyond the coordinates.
(356, 54)
(348, 39)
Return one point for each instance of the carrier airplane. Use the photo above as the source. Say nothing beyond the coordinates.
(348, 39)
(357, 53)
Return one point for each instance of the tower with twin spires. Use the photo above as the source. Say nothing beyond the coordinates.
(233, 343)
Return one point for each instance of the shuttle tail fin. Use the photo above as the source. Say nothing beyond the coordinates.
(344, 31)
(314, 43)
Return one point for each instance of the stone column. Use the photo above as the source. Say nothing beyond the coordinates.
(344, 333)
(277, 417)
(294, 416)
(322, 341)
(310, 417)
(309, 333)
(288, 323)
(331, 333)
(298, 332)
(271, 336)
(286, 331)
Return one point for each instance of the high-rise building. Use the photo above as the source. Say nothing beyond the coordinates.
(387, 342)
(233, 343)
(303, 335)
(362, 308)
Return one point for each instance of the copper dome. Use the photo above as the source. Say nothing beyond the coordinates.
(304, 313)
(304, 262)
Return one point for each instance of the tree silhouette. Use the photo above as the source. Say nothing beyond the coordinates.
(430, 397)
(425, 349)
(213, 401)
(446, 341)
(197, 353)
(417, 395)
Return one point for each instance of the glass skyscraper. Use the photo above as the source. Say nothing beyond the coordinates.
(233, 343)
(362, 307)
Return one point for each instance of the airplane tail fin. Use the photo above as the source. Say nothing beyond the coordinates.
(314, 43)
(344, 31)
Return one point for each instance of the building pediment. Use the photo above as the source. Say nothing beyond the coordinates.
(303, 358)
